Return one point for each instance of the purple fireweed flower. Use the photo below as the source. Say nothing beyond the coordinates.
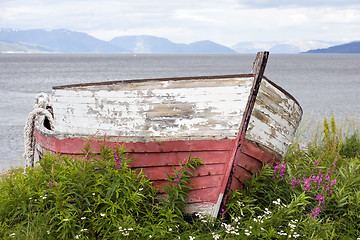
(279, 170)
(116, 157)
(294, 183)
(117, 160)
(320, 199)
(51, 184)
(178, 179)
(222, 211)
(316, 162)
(315, 212)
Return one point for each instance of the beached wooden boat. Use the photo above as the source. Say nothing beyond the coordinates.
(233, 123)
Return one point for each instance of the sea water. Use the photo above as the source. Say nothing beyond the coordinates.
(322, 83)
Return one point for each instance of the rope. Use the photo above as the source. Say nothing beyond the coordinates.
(39, 108)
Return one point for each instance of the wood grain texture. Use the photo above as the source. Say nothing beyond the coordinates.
(274, 120)
(201, 109)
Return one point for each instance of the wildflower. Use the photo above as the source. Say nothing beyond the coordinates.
(83, 218)
(279, 170)
(150, 236)
(77, 236)
(315, 212)
(140, 189)
(102, 214)
(83, 230)
(241, 204)
(295, 235)
(191, 238)
(12, 235)
(229, 229)
(237, 219)
(267, 211)
(215, 236)
(320, 199)
(178, 179)
(48, 232)
(65, 219)
(277, 202)
(93, 194)
(316, 162)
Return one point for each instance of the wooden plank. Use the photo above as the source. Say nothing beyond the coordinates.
(199, 183)
(159, 172)
(175, 158)
(188, 82)
(274, 120)
(74, 145)
(170, 112)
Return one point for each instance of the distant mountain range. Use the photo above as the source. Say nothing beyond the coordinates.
(151, 44)
(352, 47)
(66, 41)
(283, 47)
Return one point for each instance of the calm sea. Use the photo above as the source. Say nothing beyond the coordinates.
(323, 84)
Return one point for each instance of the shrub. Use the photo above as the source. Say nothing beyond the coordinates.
(90, 197)
(351, 146)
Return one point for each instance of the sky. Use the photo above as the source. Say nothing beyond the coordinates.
(184, 21)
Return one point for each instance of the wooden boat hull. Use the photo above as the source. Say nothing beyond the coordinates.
(234, 124)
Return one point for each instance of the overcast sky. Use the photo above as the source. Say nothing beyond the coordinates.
(223, 21)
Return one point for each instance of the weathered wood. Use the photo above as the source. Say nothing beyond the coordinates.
(274, 120)
(171, 109)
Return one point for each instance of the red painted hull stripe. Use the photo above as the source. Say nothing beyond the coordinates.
(74, 145)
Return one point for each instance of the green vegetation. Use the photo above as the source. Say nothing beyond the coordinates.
(313, 194)
(19, 47)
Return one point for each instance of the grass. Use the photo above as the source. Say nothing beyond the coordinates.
(313, 194)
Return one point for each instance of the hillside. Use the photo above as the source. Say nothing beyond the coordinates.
(60, 40)
(65, 41)
(11, 47)
(281, 47)
(352, 47)
(151, 44)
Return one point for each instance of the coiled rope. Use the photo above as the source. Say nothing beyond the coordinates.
(39, 108)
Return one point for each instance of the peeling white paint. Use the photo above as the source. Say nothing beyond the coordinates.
(171, 109)
(274, 120)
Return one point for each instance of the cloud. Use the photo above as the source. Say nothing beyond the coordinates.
(297, 3)
(222, 21)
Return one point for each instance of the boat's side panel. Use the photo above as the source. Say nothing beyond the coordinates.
(158, 158)
(249, 159)
(274, 119)
(166, 110)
